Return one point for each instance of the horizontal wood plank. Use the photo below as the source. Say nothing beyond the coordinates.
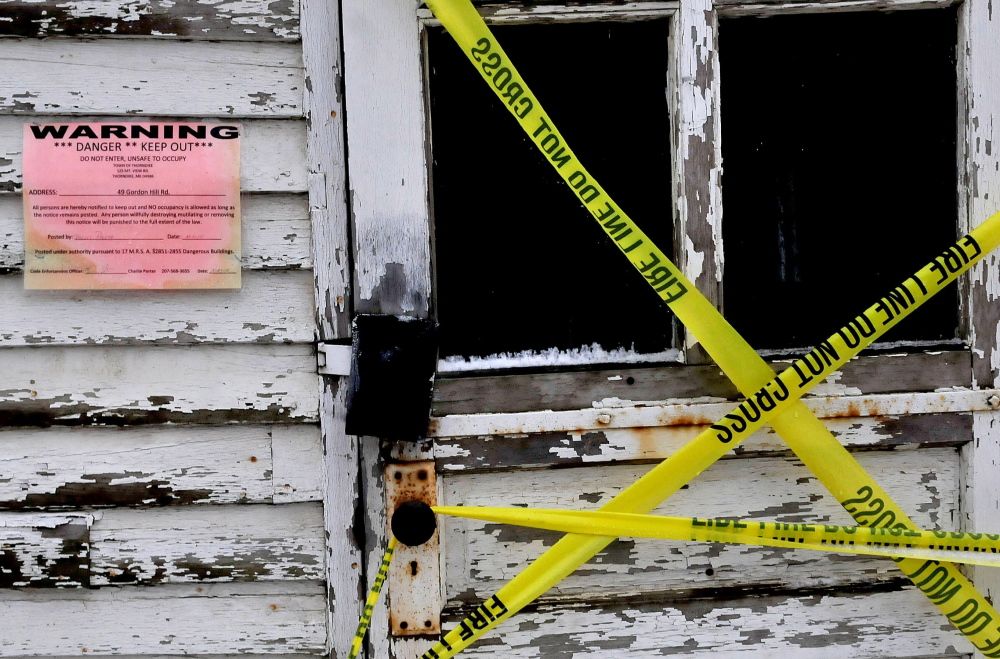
(276, 232)
(699, 413)
(239, 618)
(481, 556)
(564, 449)
(190, 19)
(67, 468)
(272, 307)
(272, 152)
(897, 623)
(869, 374)
(203, 384)
(785, 7)
(207, 544)
(45, 550)
(151, 77)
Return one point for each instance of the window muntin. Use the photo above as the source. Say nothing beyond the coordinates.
(521, 267)
(840, 169)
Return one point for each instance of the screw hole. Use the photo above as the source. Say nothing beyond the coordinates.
(709, 571)
(427, 623)
(398, 475)
(403, 625)
(422, 474)
(630, 380)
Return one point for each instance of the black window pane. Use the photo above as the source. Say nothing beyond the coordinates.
(520, 264)
(840, 169)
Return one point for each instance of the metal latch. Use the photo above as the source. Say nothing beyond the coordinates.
(333, 359)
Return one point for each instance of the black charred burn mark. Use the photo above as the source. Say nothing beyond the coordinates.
(40, 413)
(10, 569)
(98, 490)
(591, 497)
(392, 295)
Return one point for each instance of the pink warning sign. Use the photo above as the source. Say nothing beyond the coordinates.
(132, 205)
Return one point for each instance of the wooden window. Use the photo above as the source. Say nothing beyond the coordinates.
(555, 438)
(840, 169)
(524, 276)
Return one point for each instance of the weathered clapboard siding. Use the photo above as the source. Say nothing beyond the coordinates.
(244, 20)
(239, 618)
(481, 556)
(207, 543)
(659, 385)
(271, 150)
(204, 384)
(276, 232)
(44, 550)
(151, 77)
(157, 546)
(491, 452)
(705, 413)
(59, 468)
(272, 307)
(897, 623)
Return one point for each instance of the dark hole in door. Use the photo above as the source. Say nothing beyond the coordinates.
(520, 264)
(840, 169)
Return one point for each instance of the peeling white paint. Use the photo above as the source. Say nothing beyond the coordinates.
(481, 556)
(592, 354)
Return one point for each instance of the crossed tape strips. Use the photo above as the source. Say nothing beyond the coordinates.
(769, 399)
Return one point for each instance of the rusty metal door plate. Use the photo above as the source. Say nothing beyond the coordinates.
(415, 573)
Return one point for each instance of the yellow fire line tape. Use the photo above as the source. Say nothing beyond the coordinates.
(366, 615)
(972, 548)
(805, 435)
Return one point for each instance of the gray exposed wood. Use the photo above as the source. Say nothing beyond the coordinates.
(482, 556)
(981, 184)
(237, 618)
(553, 449)
(208, 384)
(244, 20)
(70, 468)
(114, 77)
(327, 166)
(345, 524)
(896, 623)
(276, 232)
(697, 155)
(272, 307)
(611, 387)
